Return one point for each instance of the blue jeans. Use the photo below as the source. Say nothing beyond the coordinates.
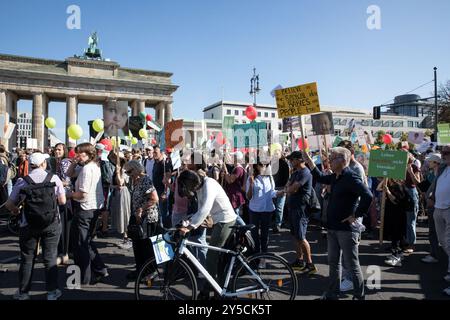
(344, 243)
(411, 217)
(279, 207)
(199, 236)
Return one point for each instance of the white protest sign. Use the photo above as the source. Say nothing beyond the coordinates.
(415, 137)
(176, 160)
(2, 125)
(163, 251)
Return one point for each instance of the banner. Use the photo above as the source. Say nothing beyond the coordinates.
(227, 126)
(174, 133)
(415, 137)
(318, 142)
(115, 117)
(322, 123)
(250, 135)
(443, 133)
(288, 122)
(388, 164)
(297, 101)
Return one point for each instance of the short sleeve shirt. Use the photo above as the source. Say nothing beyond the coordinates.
(139, 197)
(304, 177)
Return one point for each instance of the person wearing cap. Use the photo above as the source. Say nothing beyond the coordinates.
(432, 162)
(299, 190)
(29, 238)
(439, 198)
(350, 198)
(234, 184)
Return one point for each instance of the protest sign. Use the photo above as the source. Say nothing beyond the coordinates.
(174, 133)
(322, 123)
(227, 126)
(320, 142)
(415, 137)
(250, 135)
(115, 118)
(337, 140)
(176, 159)
(388, 164)
(297, 101)
(443, 133)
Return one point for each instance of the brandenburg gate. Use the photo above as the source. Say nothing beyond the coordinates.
(78, 80)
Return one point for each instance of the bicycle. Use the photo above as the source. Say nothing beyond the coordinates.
(13, 221)
(259, 276)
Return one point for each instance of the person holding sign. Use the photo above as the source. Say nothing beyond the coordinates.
(342, 211)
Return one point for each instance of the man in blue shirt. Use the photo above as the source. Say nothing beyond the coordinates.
(343, 210)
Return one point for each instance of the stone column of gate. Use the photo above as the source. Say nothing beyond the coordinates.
(11, 110)
(46, 138)
(160, 114)
(39, 101)
(168, 112)
(3, 110)
(141, 106)
(71, 115)
(134, 108)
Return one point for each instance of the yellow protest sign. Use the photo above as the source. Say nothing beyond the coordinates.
(296, 101)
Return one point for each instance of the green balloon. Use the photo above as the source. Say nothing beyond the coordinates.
(75, 132)
(142, 115)
(98, 125)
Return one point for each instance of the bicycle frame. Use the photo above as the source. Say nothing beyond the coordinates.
(183, 250)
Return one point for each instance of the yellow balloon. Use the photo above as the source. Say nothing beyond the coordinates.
(50, 123)
(275, 147)
(134, 140)
(75, 132)
(364, 148)
(143, 133)
(98, 125)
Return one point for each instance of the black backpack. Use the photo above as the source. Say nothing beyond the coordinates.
(40, 206)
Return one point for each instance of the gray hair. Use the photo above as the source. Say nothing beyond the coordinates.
(342, 153)
(135, 166)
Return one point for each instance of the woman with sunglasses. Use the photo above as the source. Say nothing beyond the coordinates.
(144, 214)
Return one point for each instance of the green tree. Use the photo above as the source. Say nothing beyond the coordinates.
(444, 102)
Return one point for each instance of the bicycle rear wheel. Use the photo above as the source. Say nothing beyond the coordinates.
(172, 280)
(274, 272)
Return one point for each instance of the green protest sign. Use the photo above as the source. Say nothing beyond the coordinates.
(250, 135)
(388, 164)
(444, 133)
(227, 126)
(337, 141)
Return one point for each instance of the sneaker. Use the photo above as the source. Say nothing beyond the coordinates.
(297, 265)
(276, 229)
(125, 245)
(262, 264)
(346, 285)
(447, 291)
(309, 269)
(54, 295)
(408, 250)
(21, 296)
(447, 277)
(393, 261)
(429, 259)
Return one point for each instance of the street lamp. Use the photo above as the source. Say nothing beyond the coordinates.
(254, 86)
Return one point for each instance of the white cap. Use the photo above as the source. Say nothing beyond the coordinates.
(37, 158)
(436, 157)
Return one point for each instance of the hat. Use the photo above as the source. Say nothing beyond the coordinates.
(436, 157)
(37, 158)
(295, 155)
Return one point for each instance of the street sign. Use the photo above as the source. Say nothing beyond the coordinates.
(388, 164)
(297, 101)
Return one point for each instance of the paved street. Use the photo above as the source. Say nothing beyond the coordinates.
(414, 280)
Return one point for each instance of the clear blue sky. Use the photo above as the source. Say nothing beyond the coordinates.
(211, 46)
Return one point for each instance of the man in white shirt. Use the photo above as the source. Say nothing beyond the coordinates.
(441, 213)
(149, 162)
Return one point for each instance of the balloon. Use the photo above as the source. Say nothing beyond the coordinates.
(364, 148)
(107, 143)
(387, 139)
(75, 132)
(113, 141)
(72, 154)
(134, 140)
(153, 141)
(98, 125)
(300, 144)
(251, 113)
(50, 123)
(143, 133)
(149, 117)
(220, 138)
(142, 114)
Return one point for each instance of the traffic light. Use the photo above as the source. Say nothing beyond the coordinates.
(376, 113)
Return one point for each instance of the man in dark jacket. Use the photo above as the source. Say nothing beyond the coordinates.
(342, 212)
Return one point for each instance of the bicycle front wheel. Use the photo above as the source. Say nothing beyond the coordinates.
(172, 280)
(274, 272)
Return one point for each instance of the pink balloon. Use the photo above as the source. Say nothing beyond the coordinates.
(251, 113)
(387, 139)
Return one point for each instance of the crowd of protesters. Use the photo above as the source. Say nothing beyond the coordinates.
(134, 194)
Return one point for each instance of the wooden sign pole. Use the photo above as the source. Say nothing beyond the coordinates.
(382, 210)
(301, 132)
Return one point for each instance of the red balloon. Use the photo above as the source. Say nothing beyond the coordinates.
(153, 141)
(149, 117)
(72, 154)
(251, 113)
(300, 144)
(219, 138)
(387, 139)
(107, 143)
